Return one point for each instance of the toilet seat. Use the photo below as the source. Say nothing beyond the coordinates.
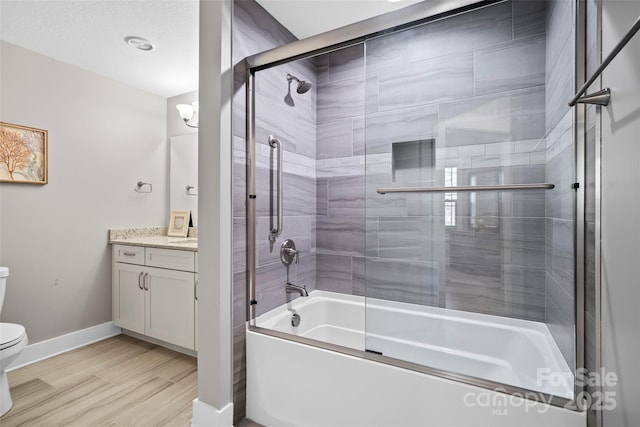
(10, 335)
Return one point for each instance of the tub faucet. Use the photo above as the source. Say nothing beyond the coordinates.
(292, 289)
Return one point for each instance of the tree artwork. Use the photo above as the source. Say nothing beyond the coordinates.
(23, 154)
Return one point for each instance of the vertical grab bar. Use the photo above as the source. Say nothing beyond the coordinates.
(275, 231)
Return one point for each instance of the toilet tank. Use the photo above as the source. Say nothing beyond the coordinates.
(4, 272)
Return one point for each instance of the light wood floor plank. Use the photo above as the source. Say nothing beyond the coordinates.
(118, 382)
(138, 367)
(37, 412)
(164, 407)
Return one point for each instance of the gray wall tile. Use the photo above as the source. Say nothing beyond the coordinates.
(321, 196)
(340, 99)
(461, 33)
(560, 85)
(340, 235)
(334, 139)
(407, 238)
(511, 116)
(445, 78)
(346, 195)
(347, 63)
(406, 124)
(333, 273)
(402, 280)
(511, 65)
(528, 17)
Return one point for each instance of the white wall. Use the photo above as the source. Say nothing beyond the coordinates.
(104, 136)
(621, 214)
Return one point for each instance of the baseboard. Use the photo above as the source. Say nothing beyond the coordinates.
(205, 415)
(54, 346)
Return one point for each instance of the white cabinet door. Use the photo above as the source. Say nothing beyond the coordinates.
(128, 297)
(170, 303)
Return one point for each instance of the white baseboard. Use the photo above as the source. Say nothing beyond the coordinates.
(54, 346)
(205, 415)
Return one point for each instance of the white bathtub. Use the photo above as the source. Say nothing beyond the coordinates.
(283, 374)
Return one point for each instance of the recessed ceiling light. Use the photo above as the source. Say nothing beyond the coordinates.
(139, 43)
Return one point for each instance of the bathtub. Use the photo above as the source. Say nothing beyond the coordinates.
(287, 379)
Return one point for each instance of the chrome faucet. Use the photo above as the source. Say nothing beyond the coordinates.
(292, 289)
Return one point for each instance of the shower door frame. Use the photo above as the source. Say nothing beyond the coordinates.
(358, 33)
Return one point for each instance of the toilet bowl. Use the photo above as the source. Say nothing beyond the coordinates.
(13, 339)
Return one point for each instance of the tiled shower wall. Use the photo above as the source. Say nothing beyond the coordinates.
(473, 86)
(254, 30)
(340, 205)
(560, 223)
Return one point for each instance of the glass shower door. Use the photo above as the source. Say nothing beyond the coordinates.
(477, 280)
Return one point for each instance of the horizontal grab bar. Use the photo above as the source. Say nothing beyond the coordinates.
(507, 187)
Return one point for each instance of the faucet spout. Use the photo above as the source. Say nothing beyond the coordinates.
(293, 289)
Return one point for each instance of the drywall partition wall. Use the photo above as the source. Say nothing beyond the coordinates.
(213, 406)
(104, 137)
(620, 205)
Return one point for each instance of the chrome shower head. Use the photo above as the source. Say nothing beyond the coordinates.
(303, 86)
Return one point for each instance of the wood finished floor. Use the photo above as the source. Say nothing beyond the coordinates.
(120, 381)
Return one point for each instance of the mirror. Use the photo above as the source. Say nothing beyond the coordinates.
(183, 174)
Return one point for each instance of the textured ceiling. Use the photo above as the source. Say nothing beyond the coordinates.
(90, 33)
(305, 18)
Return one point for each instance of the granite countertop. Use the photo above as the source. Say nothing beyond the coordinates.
(155, 237)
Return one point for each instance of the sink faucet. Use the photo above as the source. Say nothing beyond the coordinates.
(292, 289)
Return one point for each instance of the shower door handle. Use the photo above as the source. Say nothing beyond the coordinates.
(275, 231)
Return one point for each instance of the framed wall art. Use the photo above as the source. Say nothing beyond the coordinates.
(179, 223)
(23, 154)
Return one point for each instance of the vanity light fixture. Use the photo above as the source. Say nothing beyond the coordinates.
(187, 112)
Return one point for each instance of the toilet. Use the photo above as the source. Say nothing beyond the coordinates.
(13, 339)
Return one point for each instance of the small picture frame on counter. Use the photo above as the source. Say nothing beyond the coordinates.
(179, 223)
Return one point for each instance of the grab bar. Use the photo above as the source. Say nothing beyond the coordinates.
(603, 96)
(275, 231)
(508, 187)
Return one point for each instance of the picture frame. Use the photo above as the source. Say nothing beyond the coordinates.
(23, 154)
(179, 223)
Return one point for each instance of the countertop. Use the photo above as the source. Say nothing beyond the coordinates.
(152, 237)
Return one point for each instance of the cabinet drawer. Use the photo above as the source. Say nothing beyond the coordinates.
(128, 254)
(170, 258)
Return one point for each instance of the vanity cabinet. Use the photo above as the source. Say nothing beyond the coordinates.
(154, 293)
